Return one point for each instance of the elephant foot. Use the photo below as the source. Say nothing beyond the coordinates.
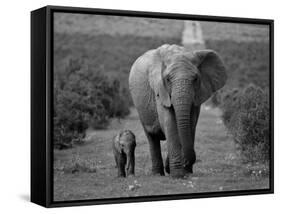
(130, 173)
(188, 169)
(177, 173)
(158, 172)
(121, 174)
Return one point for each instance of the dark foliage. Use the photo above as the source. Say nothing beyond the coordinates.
(246, 116)
(83, 98)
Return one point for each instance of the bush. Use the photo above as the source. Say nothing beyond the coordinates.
(246, 116)
(83, 98)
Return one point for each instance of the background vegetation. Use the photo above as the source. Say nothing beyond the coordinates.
(84, 98)
(245, 98)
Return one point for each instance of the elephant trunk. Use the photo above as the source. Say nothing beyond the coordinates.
(183, 100)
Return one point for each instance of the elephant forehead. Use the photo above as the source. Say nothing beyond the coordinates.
(170, 48)
(180, 61)
(168, 53)
(126, 137)
(166, 48)
(123, 142)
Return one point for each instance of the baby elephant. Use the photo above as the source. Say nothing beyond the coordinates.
(124, 145)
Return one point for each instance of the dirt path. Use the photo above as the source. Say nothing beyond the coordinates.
(218, 167)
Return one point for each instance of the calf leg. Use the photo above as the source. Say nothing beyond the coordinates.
(121, 162)
(131, 164)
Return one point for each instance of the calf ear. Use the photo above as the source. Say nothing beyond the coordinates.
(212, 73)
(117, 144)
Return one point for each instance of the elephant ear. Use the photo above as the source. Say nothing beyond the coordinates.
(157, 81)
(163, 94)
(212, 74)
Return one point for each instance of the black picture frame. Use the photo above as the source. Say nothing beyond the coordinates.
(42, 100)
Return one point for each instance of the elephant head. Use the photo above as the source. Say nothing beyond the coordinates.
(181, 81)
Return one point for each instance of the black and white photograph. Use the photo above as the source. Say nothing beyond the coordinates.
(147, 107)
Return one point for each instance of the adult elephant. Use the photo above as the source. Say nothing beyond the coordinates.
(168, 85)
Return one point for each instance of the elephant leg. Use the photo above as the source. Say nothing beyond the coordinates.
(131, 163)
(167, 166)
(121, 163)
(174, 160)
(155, 153)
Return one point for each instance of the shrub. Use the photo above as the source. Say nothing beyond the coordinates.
(229, 103)
(83, 98)
(246, 116)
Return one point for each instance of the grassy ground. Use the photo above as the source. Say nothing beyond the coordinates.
(218, 166)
